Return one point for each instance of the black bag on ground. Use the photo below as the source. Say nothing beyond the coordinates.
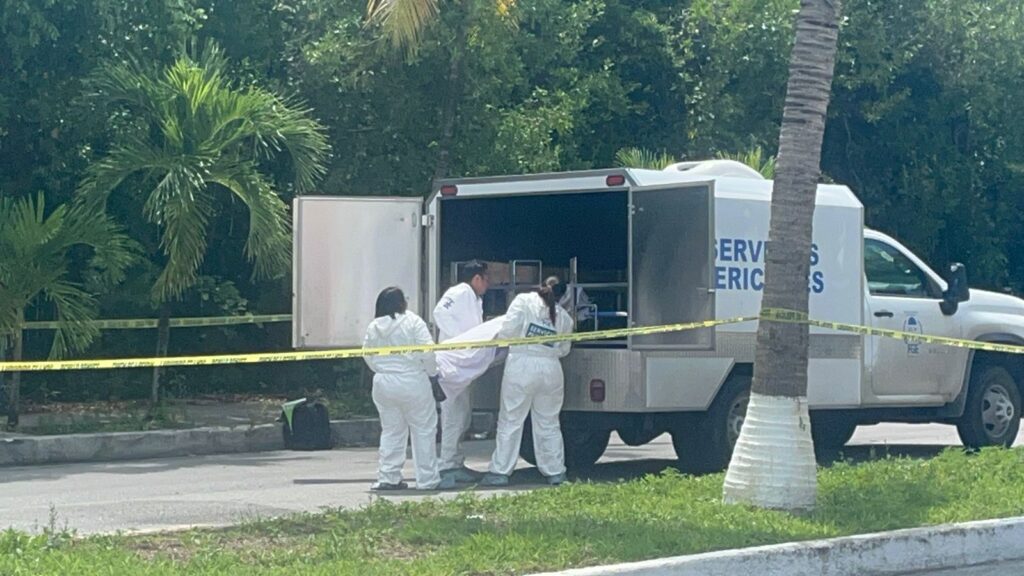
(308, 427)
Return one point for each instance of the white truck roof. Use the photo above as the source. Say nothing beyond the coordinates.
(732, 179)
(736, 180)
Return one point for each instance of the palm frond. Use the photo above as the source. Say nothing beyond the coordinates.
(181, 206)
(290, 125)
(113, 250)
(76, 309)
(268, 246)
(756, 159)
(642, 158)
(402, 21)
(103, 176)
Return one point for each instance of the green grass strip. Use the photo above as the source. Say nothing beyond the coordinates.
(574, 525)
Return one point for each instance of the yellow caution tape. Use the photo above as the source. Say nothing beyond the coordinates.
(794, 317)
(769, 314)
(138, 323)
(352, 352)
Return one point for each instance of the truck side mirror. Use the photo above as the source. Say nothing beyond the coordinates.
(957, 291)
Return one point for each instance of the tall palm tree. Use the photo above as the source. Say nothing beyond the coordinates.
(773, 462)
(35, 270)
(192, 135)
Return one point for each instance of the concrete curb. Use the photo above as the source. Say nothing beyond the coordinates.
(902, 551)
(113, 446)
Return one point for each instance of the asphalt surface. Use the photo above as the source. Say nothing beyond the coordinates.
(218, 490)
(1002, 569)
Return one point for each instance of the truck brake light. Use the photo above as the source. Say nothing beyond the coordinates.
(449, 190)
(597, 391)
(615, 180)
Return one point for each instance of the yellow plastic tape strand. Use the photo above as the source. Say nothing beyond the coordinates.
(140, 323)
(352, 352)
(794, 317)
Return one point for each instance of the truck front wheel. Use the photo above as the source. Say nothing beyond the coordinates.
(993, 409)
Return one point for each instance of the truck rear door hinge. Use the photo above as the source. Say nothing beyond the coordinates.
(427, 220)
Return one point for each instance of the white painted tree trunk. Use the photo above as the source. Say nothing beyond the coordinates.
(773, 463)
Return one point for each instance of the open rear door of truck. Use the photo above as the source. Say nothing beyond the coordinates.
(346, 251)
(672, 231)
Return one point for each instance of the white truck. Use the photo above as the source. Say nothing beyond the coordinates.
(648, 247)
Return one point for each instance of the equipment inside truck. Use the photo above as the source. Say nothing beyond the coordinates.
(583, 238)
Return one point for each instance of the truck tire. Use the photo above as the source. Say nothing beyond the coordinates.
(831, 431)
(583, 447)
(992, 413)
(707, 446)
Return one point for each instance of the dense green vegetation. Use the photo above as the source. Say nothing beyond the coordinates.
(924, 126)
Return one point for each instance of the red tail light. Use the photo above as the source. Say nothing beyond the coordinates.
(449, 190)
(597, 391)
(615, 180)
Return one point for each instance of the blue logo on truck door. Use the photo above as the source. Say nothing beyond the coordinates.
(912, 325)
(739, 265)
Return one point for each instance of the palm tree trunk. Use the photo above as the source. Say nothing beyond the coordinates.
(773, 463)
(14, 390)
(163, 331)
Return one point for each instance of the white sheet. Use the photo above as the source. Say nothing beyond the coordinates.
(458, 368)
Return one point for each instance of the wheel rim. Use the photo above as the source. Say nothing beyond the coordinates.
(734, 420)
(997, 411)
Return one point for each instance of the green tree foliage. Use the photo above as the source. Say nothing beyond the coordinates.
(923, 123)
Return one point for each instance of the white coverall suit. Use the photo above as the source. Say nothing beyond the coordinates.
(459, 310)
(401, 391)
(533, 384)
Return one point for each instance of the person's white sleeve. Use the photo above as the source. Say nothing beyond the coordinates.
(428, 360)
(564, 347)
(371, 361)
(515, 318)
(456, 312)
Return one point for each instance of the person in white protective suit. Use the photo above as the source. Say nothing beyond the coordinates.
(459, 310)
(533, 384)
(402, 394)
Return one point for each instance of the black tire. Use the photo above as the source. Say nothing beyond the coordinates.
(831, 431)
(992, 413)
(583, 447)
(707, 446)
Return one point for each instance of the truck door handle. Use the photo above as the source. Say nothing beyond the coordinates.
(883, 314)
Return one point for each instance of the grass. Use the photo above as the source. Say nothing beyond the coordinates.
(574, 525)
(131, 420)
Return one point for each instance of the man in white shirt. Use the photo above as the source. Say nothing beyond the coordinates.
(460, 309)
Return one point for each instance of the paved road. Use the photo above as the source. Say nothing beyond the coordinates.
(1004, 569)
(217, 490)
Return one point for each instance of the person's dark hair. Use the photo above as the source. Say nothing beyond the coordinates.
(390, 302)
(471, 269)
(551, 291)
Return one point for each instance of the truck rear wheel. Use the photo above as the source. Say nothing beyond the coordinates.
(583, 446)
(707, 446)
(992, 413)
